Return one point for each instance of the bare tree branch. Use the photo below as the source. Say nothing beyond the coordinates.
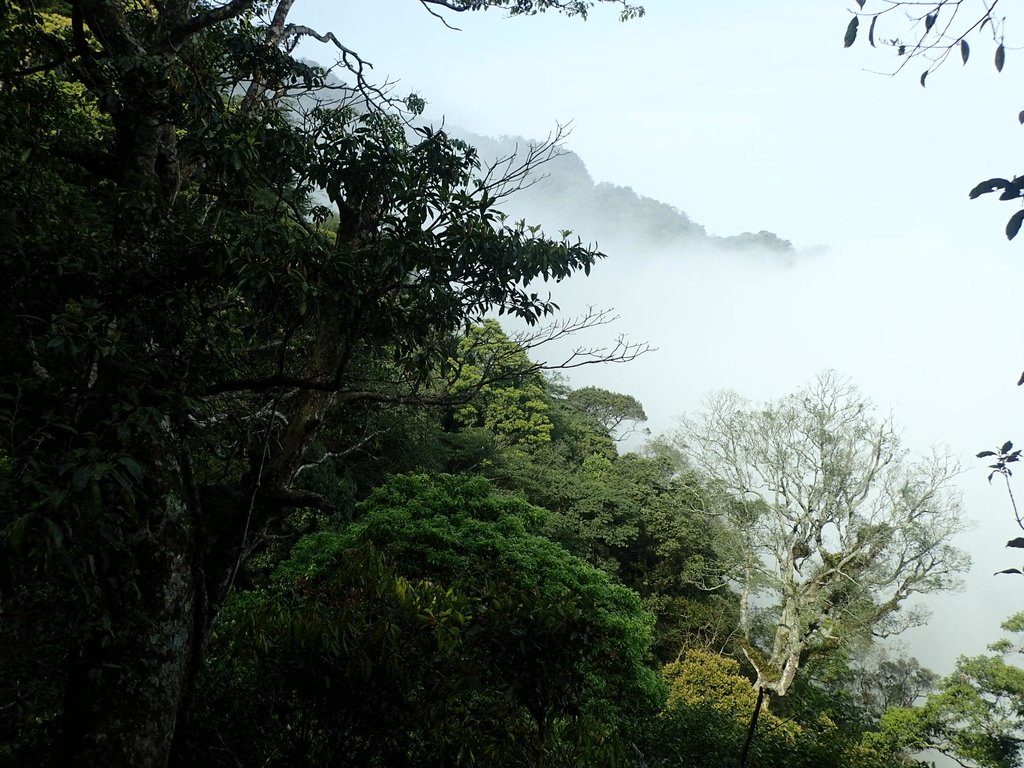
(426, 4)
(836, 526)
(339, 454)
(207, 18)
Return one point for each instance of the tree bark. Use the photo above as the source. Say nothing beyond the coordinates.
(127, 680)
(542, 740)
(745, 754)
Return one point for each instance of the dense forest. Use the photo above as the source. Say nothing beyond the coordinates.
(278, 488)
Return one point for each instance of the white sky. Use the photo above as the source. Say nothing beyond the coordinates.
(751, 115)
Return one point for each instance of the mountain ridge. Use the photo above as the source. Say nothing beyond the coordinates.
(563, 195)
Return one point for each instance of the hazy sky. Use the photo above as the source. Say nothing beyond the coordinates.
(748, 116)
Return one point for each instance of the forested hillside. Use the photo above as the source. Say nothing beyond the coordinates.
(618, 218)
(278, 489)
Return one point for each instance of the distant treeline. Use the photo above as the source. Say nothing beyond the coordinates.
(563, 194)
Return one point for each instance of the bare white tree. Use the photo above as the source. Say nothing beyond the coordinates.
(835, 525)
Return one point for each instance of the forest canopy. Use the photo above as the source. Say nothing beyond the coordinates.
(277, 487)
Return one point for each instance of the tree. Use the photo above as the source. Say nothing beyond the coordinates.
(548, 638)
(531, 7)
(640, 518)
(612, 410)
(513, 406)
(205, 254)
(704, 724)
(835, 525)
(854, 690)
(643, 520)
(938, 30)
(348, 663)
(887, 682)
(975, 716)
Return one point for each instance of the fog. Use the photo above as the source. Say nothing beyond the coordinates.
(936, 362)
(751, 118)
(923, 332)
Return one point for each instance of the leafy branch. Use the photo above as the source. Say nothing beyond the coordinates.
(1004, 456)
(945, 32)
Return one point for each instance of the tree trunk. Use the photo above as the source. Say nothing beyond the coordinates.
(745, 754)
(542, 740)
(130, 674)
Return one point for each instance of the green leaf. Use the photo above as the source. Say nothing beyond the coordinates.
(1020, 117)
(81, 478)
(924, 75)
(133, 467)
(860, 3)
(929, 21)
(1007, 447)
(1017, 543)
(1000, 57)
(1009, 570)
(871, 31)
(984, 454)
(851, 32)
(1012, 191)
(988, 186)
(965, 51)
(1013, 226)
(56, 534)
(16, 531)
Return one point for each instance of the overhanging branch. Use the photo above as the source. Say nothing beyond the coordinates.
(293, 499)
(207, 18)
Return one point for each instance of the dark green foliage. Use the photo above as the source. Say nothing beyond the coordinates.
(644, 520)
(351, 665)
(611, 410)
(530, 7)
(1001, 458)
(235, 303)
(936, 42)
(974, 716)
(585, 642)
(473, 640)
(851, 32)
(705, 724)
(213, 269)
(31, 692)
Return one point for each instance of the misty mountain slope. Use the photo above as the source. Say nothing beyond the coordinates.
(563, 195)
